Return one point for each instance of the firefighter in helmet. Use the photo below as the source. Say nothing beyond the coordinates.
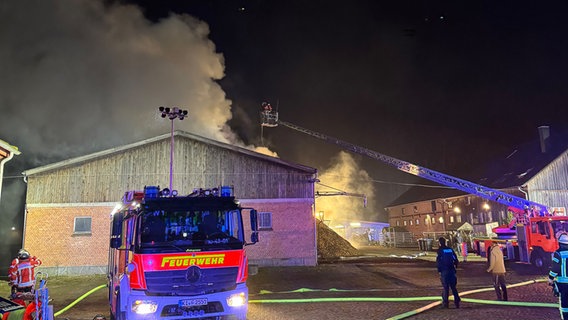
(558, 275)
(21, 272)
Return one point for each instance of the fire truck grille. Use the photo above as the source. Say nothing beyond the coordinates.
(191, 282)
(201, 311)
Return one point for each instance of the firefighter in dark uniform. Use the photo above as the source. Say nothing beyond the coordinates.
(558, 275)
(447, 262)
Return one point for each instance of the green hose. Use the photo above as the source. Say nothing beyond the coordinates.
(78, 300)
(437, 299)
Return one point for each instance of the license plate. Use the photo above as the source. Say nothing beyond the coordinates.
(193, 302)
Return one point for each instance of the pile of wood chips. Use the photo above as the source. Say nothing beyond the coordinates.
(333, 246)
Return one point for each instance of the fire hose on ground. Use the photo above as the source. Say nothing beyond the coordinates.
(436, 299)
(79, 299)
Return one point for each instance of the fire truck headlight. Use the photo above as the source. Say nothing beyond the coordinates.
(237, 300)
(144, 306)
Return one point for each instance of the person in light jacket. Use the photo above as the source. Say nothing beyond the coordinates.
(497, 269)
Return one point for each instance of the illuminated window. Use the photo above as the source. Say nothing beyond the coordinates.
(426, 220)
(404, 223)
(410, 222)
(82, 225)
(433, 220)
(451, 219)
(441, 219)
(265, 220)
(459, 218)
(397, 223)
(417, 221)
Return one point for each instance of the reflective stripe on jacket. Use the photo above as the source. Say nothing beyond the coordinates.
(558, 268)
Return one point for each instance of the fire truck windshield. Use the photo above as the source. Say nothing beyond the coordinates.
(559, 226)
(191, 230)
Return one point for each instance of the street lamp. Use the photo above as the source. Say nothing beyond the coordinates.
(172, 114)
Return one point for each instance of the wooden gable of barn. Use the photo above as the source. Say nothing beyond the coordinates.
(198, 163)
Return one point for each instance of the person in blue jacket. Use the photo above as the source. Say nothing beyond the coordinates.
(558, 275)
(447, 262)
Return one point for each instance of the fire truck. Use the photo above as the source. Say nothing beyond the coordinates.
(179, 257)
(530, 238)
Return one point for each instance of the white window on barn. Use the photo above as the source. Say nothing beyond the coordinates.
(82, 225)
(265, 220)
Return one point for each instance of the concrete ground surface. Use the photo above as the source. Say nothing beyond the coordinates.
(395, 273)
(305, 292)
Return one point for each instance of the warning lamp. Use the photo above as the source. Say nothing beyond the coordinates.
(151, 192)
(226, 191)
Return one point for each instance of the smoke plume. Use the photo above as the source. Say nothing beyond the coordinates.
(345, 175)
(80, 76)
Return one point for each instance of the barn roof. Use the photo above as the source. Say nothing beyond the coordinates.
(177, 133)
(5, 147)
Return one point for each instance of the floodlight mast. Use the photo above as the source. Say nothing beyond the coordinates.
(172, 114)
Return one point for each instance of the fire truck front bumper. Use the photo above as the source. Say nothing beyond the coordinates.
(222, 305)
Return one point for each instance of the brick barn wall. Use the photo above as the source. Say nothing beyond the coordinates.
(292, 240)
(49, 236)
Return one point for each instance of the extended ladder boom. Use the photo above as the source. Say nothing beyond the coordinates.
(432, 175)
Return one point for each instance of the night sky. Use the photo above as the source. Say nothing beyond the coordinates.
(444, 84)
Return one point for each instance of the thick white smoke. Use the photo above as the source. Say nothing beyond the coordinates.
(79, 76)
(345, 174)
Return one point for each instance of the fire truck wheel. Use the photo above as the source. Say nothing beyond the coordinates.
(539, 259)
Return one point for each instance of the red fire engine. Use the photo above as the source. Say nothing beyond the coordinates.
(179, 257)
(530, 237)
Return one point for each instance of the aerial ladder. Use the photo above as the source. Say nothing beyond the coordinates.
(269, 118)
(533, 229)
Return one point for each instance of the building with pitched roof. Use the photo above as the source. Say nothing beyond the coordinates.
(536, 170)
(7, 152)
(68, 203)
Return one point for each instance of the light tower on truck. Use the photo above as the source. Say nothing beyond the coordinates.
(172, 114)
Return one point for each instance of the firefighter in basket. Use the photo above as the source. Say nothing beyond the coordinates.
(21, 272)
(558, 275)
